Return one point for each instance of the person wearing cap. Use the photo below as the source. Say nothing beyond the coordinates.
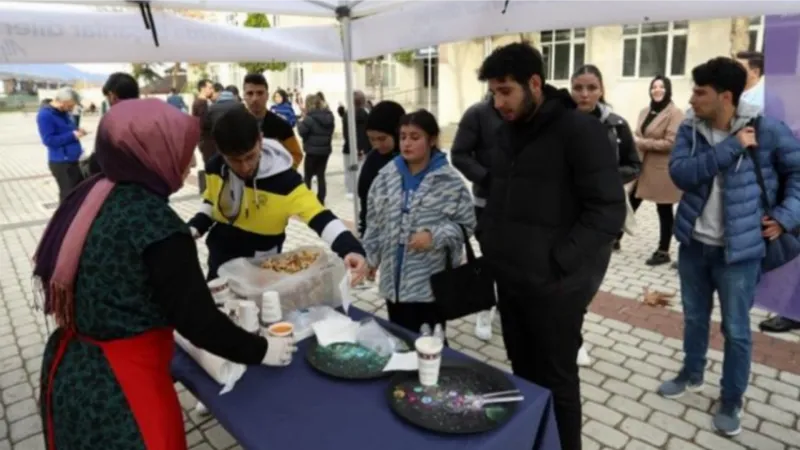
(61, 137)
(382, 130)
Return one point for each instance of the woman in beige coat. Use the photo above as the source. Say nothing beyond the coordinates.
(654, 137)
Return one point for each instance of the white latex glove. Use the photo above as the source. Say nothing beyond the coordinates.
(279, 351)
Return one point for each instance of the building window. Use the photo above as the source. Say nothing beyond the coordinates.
(297, 76)
(656, 48)
(382, 72)
(756, 32)
(564, 51)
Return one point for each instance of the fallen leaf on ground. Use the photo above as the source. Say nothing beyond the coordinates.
(657, 299)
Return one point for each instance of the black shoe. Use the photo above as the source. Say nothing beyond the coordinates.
(616, 247)
(658, 258)
(779, 324)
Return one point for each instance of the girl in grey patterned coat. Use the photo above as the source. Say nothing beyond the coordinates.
(416, 209)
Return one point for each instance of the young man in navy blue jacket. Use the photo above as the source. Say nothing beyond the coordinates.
(62, 138)
(722, 225)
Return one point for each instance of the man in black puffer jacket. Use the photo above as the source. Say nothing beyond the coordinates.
(472, 146)
(556, 203)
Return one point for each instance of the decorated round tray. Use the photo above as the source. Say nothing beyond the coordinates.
(446, 408)
(352, 361)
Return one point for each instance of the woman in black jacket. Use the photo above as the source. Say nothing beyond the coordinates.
(587, 92)
(316, 130)
(382, 130)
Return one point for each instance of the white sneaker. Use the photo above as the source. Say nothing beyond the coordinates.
(348, 196)
(583, 357)
(483, 324)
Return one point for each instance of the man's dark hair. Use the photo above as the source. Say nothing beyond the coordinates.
(518, 61)
(257, 79)
(121, 84)
(721, 74)
(218, 87)
(173, 91)
(202, 83)
(233, 90)
(755, 60)
(236, 131)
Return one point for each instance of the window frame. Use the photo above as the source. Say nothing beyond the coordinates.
(572, 41)
(296, 69)
(389, 81)
(670, 33)
(757, 24)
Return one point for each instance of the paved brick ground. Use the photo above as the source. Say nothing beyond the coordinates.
(634, 346)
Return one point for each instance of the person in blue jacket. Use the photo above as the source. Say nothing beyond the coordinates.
(62, 138)
(722, 225)
(283, 107)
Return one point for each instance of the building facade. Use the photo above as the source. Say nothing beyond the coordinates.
(445, 80)
(629, 56)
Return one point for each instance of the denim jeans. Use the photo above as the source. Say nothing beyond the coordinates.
(703, 270)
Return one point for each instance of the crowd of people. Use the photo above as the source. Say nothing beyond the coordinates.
(554, 174)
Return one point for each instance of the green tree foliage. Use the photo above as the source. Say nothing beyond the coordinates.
(145, 71)
(259, 20)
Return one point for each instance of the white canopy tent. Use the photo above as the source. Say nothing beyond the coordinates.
(37, 33)
(386, 26)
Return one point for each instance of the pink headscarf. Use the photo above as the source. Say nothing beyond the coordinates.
(141, 141)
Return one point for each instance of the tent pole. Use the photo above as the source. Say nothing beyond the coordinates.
(352, 160)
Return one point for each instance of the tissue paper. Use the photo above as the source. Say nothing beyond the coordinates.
(344, 291)
(335, 329)
(222, 371)
(402, 362)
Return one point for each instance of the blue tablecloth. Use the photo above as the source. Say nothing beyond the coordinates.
(296, 408)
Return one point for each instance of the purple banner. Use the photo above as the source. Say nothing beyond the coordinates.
(782, 69)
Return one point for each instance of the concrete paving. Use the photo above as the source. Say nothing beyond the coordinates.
(634, 346)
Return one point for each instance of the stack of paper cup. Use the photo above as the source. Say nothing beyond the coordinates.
(270, 308)
(220, 290)
(247, 314)
(429, 356)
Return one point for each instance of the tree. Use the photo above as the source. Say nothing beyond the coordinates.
(259, 20)
(375, 72)
(740, 34)
(145, 71)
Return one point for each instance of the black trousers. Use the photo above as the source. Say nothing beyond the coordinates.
(542, 335)
(412, 316)
(666, 220)
(315, 166)
(67, 175)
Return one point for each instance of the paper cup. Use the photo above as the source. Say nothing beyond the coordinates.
(271, 308)
(247, 313)
(281, 329)
(429, 357)
(220, 290)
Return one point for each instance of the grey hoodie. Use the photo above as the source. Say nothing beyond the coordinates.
(709, 228)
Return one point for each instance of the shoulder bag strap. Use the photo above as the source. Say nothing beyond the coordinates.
(753, 152)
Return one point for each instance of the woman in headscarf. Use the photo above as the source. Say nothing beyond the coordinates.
(654, 136)
(119, 271)
(383, 125)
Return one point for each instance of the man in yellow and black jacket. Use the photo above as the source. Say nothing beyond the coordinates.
(252, 192)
